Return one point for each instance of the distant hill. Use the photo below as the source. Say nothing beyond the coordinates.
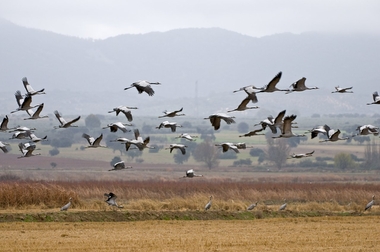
(198, 69)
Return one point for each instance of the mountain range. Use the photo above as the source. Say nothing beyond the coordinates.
(198, 68)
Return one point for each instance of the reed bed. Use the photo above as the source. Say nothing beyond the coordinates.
(187, 194)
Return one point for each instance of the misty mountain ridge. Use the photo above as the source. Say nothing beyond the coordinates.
(198, 68)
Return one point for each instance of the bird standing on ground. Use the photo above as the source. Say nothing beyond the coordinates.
(143, 86)
(93, 143)
(283, 206)
(208, 205)
(370, 204)
(120, 166)
(125, 110)
(216, 118)
(299, 86)
(111, 199)
(190, 174)
(376, 99)
(63, 122)
(252, 206)
(67, 206)
(29, 88)
(172, 113)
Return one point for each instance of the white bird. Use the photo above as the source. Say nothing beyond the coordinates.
(368, 129)
(138, 142)
(63, 122)
(208, 205)
(253, 133)
(4, 124)
(23, 103)
(283, 206)
(271, 86)
(243, 105)
(299, 86)
(166, 124)
(125, 110)
(249, 88)
(122, 140)
(21, 134)
(252, 206)
(29, 88)
(342, 90)
(321, 129)
(111, 199)
(36, 139)
(181, 147)
(22, 128)
(286, 130)
(216, 118)
(93, 143)
(227, 146)
(302, 155)
(332, 135)
(3, 147)
(27, 150)
(242, 146)
(35, 115)
(172, 113)
(376, 98)
(143, 86)
(268, 122)
(120, 166)
(67, 206)
(118, 125)
(370, 204)
(190, 174)
(187, 137)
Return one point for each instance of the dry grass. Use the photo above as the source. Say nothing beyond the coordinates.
(187, 194)
(277, 234)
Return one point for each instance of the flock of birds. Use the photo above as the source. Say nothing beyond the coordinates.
(285, 124)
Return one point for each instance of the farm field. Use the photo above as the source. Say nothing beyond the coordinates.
(276, 234)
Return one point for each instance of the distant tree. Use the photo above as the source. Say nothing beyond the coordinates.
(115, 146)
(54, 152)
(230, 154)
(242, 162)
(133, 153)
(179, 158)
(372, 156)
(343, 161)
(62, 142)
(243, 127)
(278, 152)
(261, 158)
(92, 121)
(115, 160)
(207, 153)
(155, 148)
(187, 125)
(53, 164)
(256, 152)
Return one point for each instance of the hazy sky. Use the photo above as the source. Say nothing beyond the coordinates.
(106, 18)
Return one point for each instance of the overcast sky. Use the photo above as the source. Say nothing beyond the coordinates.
(257, 18)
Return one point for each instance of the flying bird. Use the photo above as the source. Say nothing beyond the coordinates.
(138, 142)
(253, 133)
(67, 206)
(27, 150)
(181, 147)
(120, 166)
(302, 155)
(125, 110)
(208, 205)
(226, 146)
(143, 86)
(166, 124)
(36, 139)
(3, 147)
(187, 137)
(4, 124)
(35, 115)
(376, 99)
(268, 122)
(249, 88)
(243, 105)
(29, 88)
(321, 129)
(299, 86)
(333, 135)
(286, 130)
(190, 174)
(93, 143)
(342, 90)
(215, 119)
(21, 134)
(111, 199)
(23, 103)
(63, 122)
(271, 86)
(172, 113)
(367, 129)
(118, 125)
(370, 204)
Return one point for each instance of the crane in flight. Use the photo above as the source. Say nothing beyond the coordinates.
(93, 143)
(125, 110)
(180, 147)
(111, 200)
(118, 166)
(172, 113)
(376, 99)
(63, 122)
(299, 86)
(143, 86)
(30, 91)
(342, 90)
(190, 174)
(35, 115)
(216, 118)
(24, 104)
